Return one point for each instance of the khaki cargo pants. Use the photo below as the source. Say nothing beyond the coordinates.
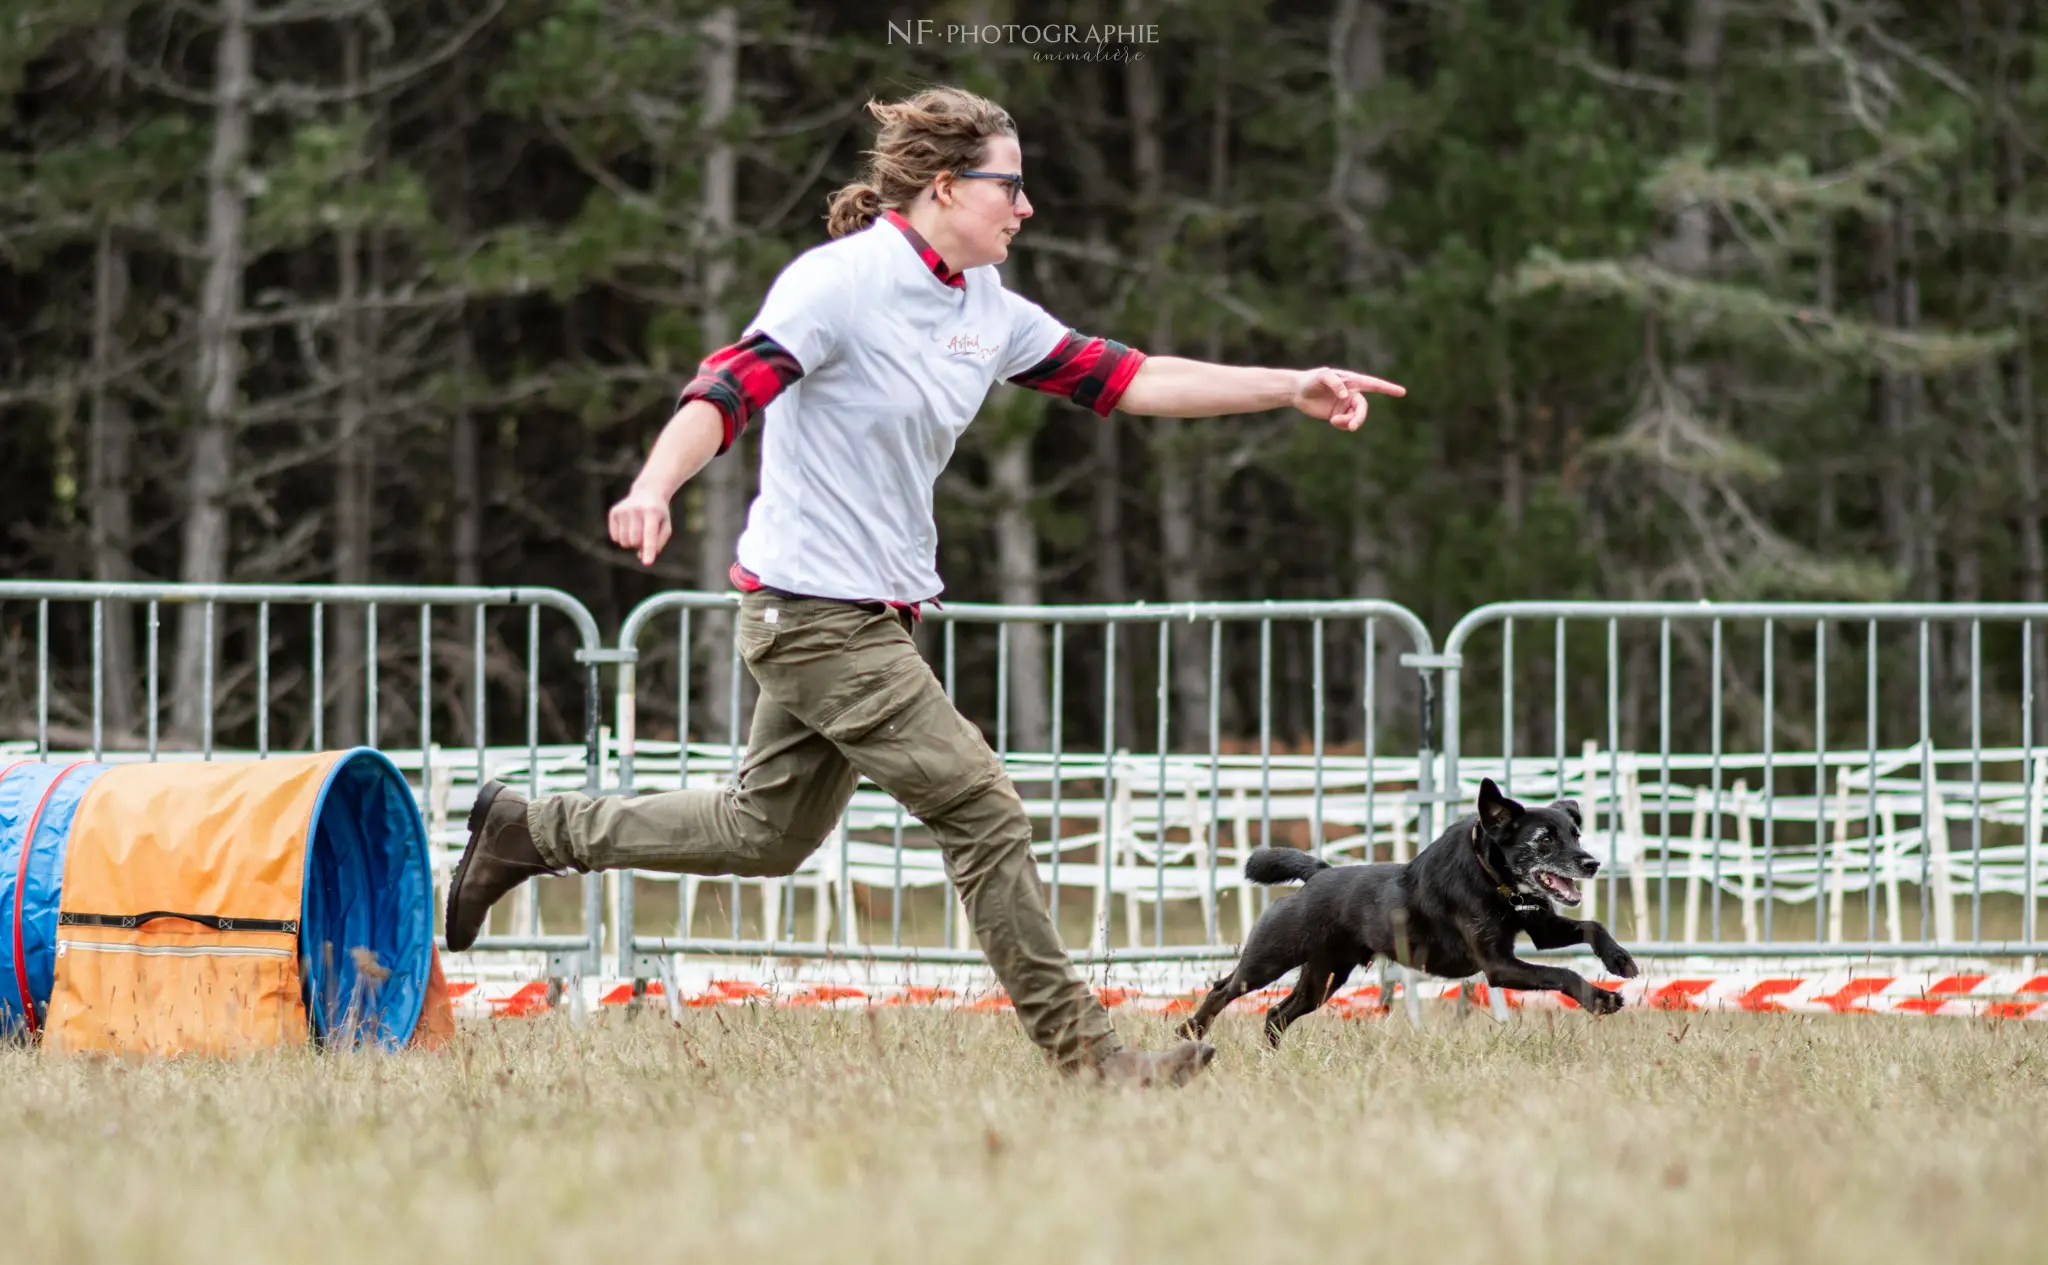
(845, 693)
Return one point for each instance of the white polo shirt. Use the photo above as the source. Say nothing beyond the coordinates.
(895, 365)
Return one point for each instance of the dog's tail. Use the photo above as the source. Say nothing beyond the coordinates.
(1282, 865)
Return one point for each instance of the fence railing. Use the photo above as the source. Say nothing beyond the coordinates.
(1806, 848)
(311, 667)
(1111, 817)
(1744, 768)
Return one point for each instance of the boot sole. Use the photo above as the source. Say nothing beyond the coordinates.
(477, 812)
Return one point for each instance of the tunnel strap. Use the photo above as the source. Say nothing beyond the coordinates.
(283, 926)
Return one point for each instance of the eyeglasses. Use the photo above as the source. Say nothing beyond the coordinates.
(1013, 181)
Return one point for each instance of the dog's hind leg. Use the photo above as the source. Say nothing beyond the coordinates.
(1319, 979)
(1260, 965)
(1221, 994)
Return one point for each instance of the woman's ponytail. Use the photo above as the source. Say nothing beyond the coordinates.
(853, 209)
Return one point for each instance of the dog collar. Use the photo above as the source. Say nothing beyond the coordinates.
(1519, 901)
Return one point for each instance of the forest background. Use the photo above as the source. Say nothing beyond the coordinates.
(1693, 298)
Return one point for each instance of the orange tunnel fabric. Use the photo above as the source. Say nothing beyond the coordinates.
(186, 901)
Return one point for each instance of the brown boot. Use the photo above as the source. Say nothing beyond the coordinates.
(499, 857)
(1174, 1066)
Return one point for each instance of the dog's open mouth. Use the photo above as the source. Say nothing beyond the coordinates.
(1559, 887)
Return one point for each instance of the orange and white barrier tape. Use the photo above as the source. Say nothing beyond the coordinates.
(1995, 996)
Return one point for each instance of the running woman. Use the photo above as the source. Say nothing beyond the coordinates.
(869, 356)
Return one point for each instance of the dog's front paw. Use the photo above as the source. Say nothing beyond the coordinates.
(1618, 961)
(1599, 1001)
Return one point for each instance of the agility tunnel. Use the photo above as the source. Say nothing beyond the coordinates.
(216, 908)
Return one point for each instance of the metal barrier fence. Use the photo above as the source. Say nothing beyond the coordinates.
(1891, 807)
(300, 697)
(1158, 813)
(1820, 859)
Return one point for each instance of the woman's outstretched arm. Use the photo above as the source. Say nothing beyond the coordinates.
(1171, 386)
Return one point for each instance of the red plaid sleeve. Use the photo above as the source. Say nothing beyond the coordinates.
(740, 380)
(1092, 372)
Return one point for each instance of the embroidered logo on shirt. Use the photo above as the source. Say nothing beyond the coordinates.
(971, 345)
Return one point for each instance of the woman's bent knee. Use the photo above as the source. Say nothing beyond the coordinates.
(773, 857)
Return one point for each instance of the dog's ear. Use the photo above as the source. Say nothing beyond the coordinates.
(1496, 811)
(1570, 808)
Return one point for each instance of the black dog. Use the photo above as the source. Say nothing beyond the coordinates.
(1452, 911)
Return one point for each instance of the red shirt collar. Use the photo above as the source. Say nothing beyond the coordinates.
(925, 251)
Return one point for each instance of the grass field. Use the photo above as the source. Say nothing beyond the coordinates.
(743, 1135)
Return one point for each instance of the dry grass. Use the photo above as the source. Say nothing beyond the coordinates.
(794, 1136)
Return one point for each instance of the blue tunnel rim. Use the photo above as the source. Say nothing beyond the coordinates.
(12, 921)
(353, 757)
